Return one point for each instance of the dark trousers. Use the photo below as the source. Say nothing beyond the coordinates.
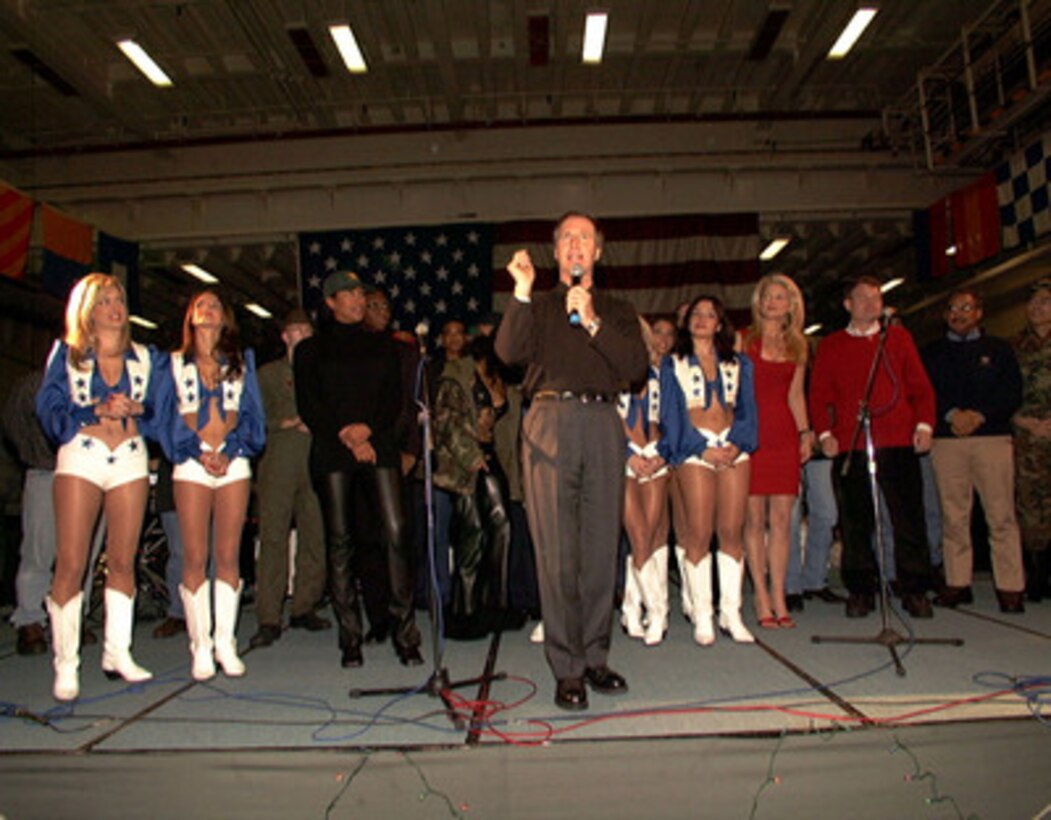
(522, 590)
(481, 538)
(573, 469)
(901, 484)
(377, 490)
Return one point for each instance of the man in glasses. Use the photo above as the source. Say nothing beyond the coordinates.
(978, 387)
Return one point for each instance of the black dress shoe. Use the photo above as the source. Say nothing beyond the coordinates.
(408, 655)
(1011, 603)
(952, 597)
(824, 594)
(860, 604)
(267, 634)
(31, 640)
(604, 680)
(311, 622)
(571, 695)
(794, 602)
(917, 605)
(352, 657)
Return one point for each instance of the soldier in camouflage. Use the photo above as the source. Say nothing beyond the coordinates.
(1032, 427)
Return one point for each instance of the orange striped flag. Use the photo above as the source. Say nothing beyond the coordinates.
(67, 250)
(65, 236)
(16, 221)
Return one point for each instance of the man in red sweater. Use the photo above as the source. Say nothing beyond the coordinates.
(902, 407)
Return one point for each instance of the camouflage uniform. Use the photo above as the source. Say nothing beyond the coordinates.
(1033, 455)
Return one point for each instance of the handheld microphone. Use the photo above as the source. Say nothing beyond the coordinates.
(422, 329)
(576, 273)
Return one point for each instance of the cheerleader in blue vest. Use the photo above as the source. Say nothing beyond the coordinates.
(645, 502)
(213, 424)
(709, 423)
(96, 402)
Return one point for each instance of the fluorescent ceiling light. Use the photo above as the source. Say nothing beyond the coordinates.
(850, 34)
(777, 244)
(144, 63)
(259, 310)
(200, 273)
(146, 323)
(347, 44)
(810, 330)
(594, 37)
(893, 283)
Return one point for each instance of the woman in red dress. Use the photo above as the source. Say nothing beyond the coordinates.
(777, 347)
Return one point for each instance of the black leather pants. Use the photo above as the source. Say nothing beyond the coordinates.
(334, 491)
(380, 524)
(481, 539)
(395, 536)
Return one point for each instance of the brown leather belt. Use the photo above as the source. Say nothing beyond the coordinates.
(583, 396)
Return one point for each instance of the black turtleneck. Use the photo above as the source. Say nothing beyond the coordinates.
(346, 375)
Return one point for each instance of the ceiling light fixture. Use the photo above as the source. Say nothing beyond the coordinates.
(347, 44)
(777, 244)
(141, 322)
(852, 32)
(259, 310)
(810, 330)
(198, 272)
(144, 63)
(893, 283)
(950, 251)
(594, 37)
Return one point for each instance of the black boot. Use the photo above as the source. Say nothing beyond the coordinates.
(343, 589)
(1036, 569)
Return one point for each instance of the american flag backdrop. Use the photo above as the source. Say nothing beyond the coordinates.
(436, 273)
(430, 273)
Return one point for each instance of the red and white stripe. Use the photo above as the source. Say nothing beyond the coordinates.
(655, 263)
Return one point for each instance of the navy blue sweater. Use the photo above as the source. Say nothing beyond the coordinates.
(979, 374)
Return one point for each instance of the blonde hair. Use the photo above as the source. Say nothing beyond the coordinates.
(792, 327)
(80, 334)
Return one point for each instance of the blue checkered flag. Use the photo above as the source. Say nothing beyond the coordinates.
(1022, 193)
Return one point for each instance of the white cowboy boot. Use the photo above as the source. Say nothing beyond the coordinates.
(731, 576)
(227, 602)
(684, 592)
(65, 641)
(697, 579)
(116, 647)
(631, 606)
(198, 609)
(653, 579)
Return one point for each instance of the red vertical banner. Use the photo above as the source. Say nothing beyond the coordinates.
(976, 221)
(67, 250)
(938, 222)
(16, 222)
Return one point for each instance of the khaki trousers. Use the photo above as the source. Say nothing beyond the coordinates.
(985, 464)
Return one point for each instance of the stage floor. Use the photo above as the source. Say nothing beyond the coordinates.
(785, 691)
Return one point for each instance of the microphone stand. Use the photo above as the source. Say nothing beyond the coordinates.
(438, 683)
(887, 635)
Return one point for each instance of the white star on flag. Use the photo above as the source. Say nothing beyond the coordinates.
(427, 271)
